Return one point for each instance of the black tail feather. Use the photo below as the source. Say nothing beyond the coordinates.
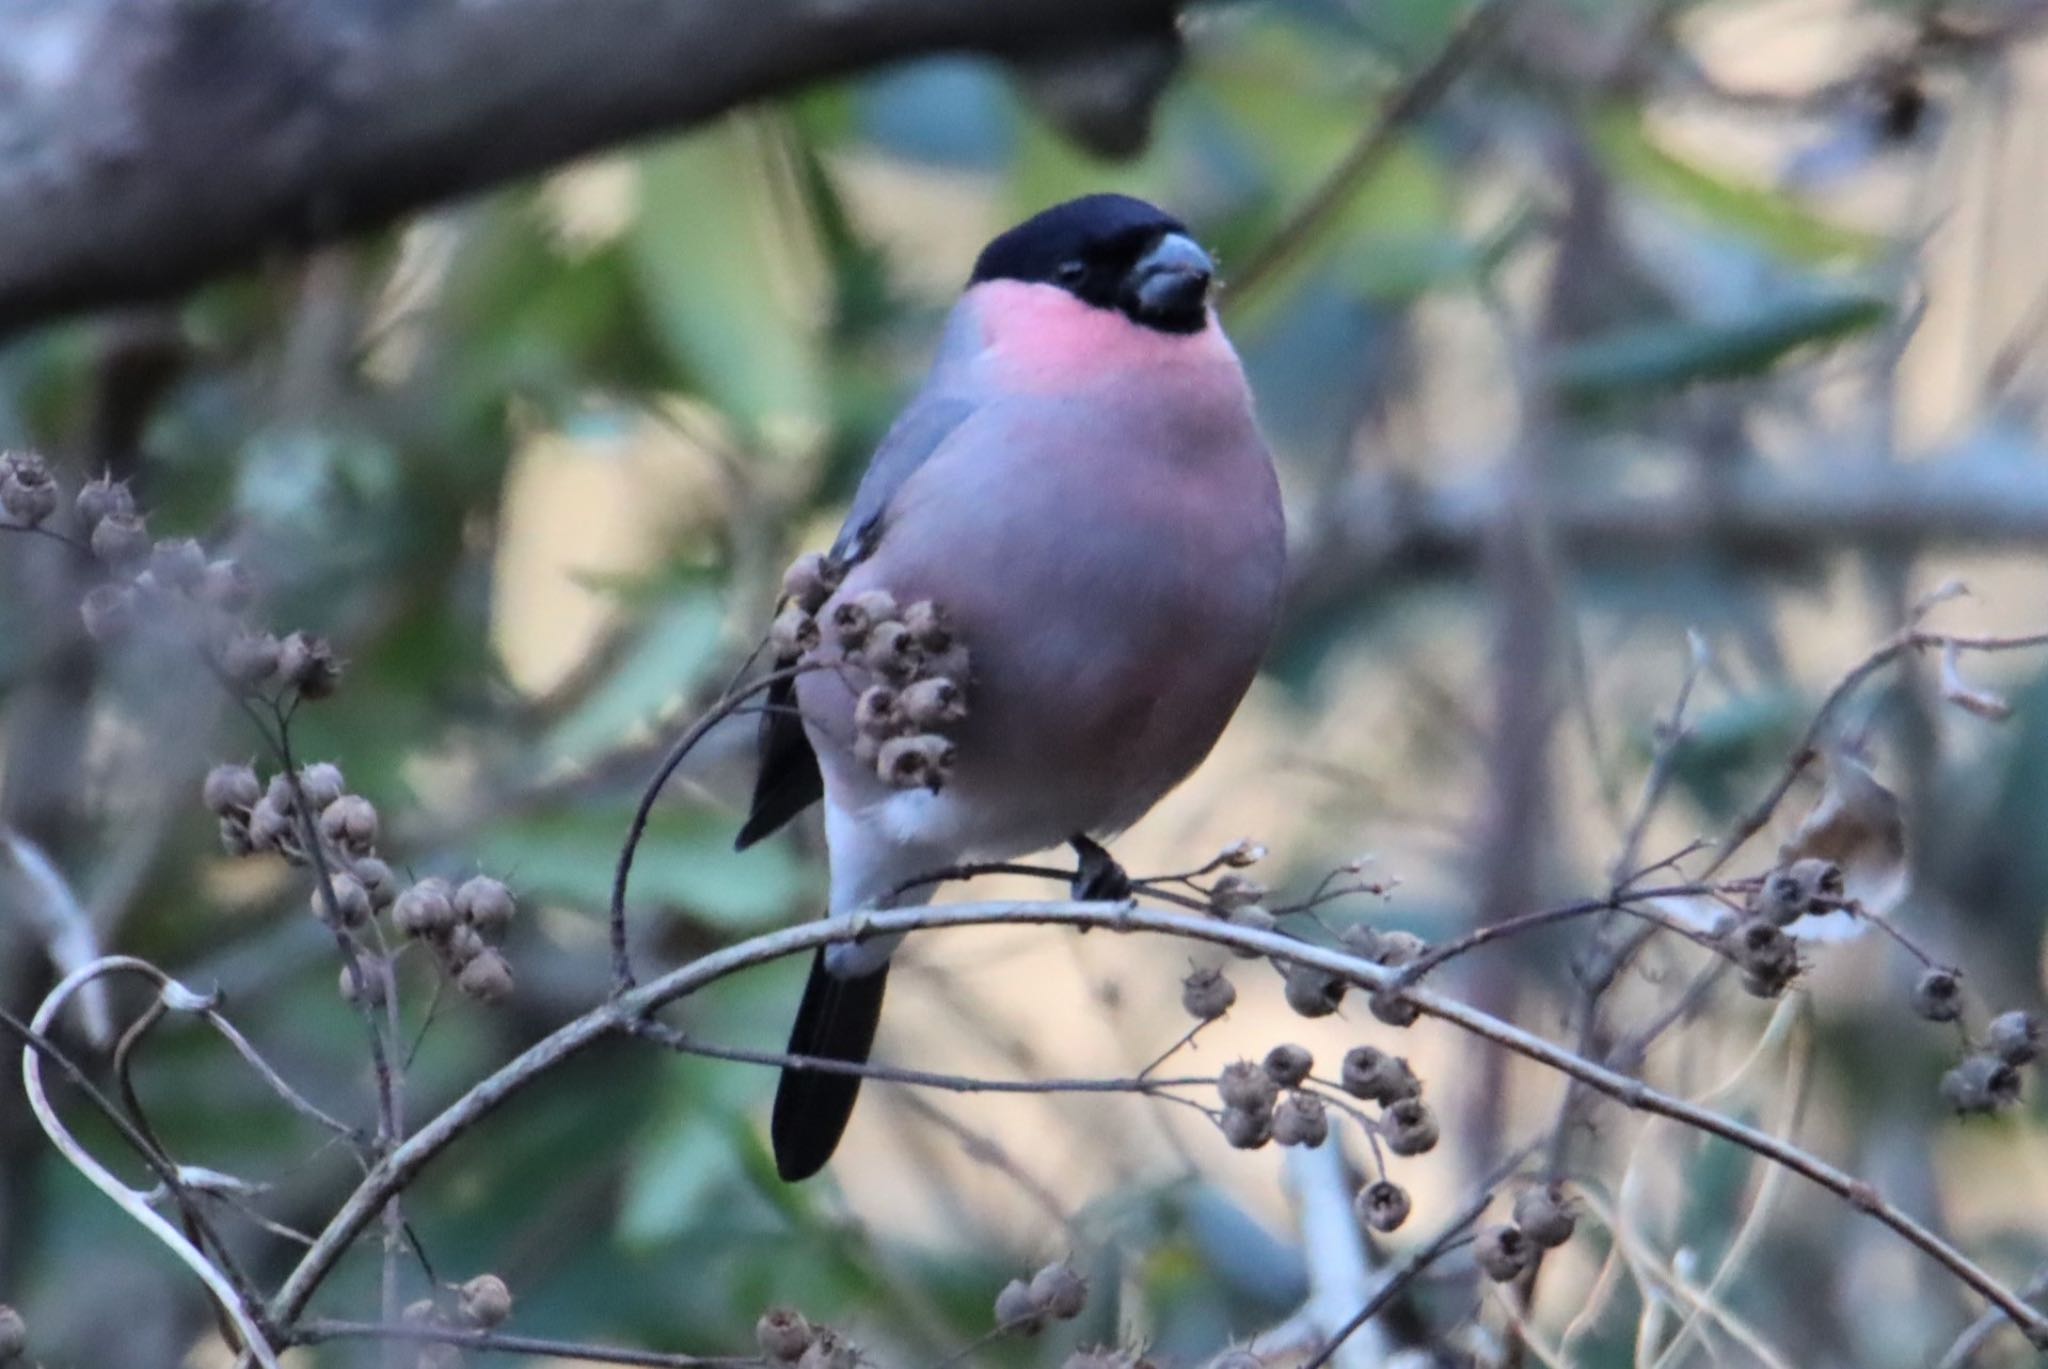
(836, 1021)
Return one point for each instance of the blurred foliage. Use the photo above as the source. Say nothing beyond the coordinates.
(751, 302)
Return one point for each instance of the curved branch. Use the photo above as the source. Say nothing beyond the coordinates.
(153, 145)
(618, 1016)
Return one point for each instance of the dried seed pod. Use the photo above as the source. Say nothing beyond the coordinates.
(270, 827)
(1288, 1064)
(27, 493)
(426, 909)
(1938, 996)
(308, 664)
(1383, 1206)
(351, 906)
(486, 1301)
(227, 586)
(1312, 992)
(249, 658)
(459, 945)
(1980, 1084)
(2014, 1037)
(1059, 1291)
(783, 1335)
(373, 982)
(1206, 994)
(484, 902)
(877, 713)
(1547, 1214)
(350, 822)
(1504, 1253)
(230, 789)
(1408, 1127)
(810, 580)
(1016, 1311)
(1245, 1086)
(913, 762)
(177, 563)
(121, 540)
(13, 1334)
(890, 651)
(1301, 1120)
(1254, 917)
(927, 623)
(1247, 1130)
(321, 783)
(1372, 1074)
(99, 498)
(851, 621)
(1780, 900)
(376, 876)
(1241, 854)
(793, 633)
(108, 611)
(487, 977)
(1768, 959)
(1393, 1008)
(935, 702)
(1232, 891)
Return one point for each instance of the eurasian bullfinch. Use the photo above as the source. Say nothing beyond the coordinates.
(1081, 487)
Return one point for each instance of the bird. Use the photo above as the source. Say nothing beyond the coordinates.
(1081, 488)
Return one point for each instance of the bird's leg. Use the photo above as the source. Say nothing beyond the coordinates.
(1100, 879)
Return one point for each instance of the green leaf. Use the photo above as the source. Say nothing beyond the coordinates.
(1764, 216)
(1658, 355)
(726, 259)
(685, 861)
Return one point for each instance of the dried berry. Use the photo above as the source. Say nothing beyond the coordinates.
(2014, 1037)
(375, 876)
(1245, 1086)
(927, 624)
(783, 1335)
(1287, 1065)
(321, 783)
(1981, 1083)
(877, 713)
(108, 611)
(852, 617)
(459, 945)
(1301, 1120)
(426, 909)
(1390, 947)
(1253, 917)
(1392, 1007)
(350, 822)
(1408, 1127)
(487, 977)
(1241, 854)
(1206, 994)
(270, 826)
(1504, 1253)
(1232, 891)
(1059, 1291)
(1547, 1214)
(921, 761)
(810, 580)
(1767, 957)
(1938, 996)
(99, 498)
(1383, 1206)
(230, 789)
(227, 586)
(890, 651)
(486, 1301)
(933, 703)
(1312, 992)
(1372, 1074)
(793, 633)
(121, 540)
(1247, 1130)
(1016, 1311)
(13, 1334)
(27, 493)
(309, 665)
(485, 902)
(351, 906)
(249, 658)
(177, 563)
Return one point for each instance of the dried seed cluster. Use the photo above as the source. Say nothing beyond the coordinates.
(484, 1303)
(1545, 1217)
(1057, 1292)
(915, 670)
(453, 922)
(1989, 1078)
(786, 1338)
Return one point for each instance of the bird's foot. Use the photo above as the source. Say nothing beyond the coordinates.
(1099, 879)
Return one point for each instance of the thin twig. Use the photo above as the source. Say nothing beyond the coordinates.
(1445, 1240)
(314, 1332)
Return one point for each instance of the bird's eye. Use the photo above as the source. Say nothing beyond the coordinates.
(1070, 272)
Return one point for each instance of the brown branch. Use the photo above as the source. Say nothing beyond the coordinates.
(158, 145)
(314, 1332)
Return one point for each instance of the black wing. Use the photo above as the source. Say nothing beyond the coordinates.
(789, 780)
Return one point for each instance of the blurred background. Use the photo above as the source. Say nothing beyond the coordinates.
(1575, 325)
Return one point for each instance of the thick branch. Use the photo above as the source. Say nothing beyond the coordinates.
(150, 144)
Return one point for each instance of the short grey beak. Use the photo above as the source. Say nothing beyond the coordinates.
(1170, 283)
